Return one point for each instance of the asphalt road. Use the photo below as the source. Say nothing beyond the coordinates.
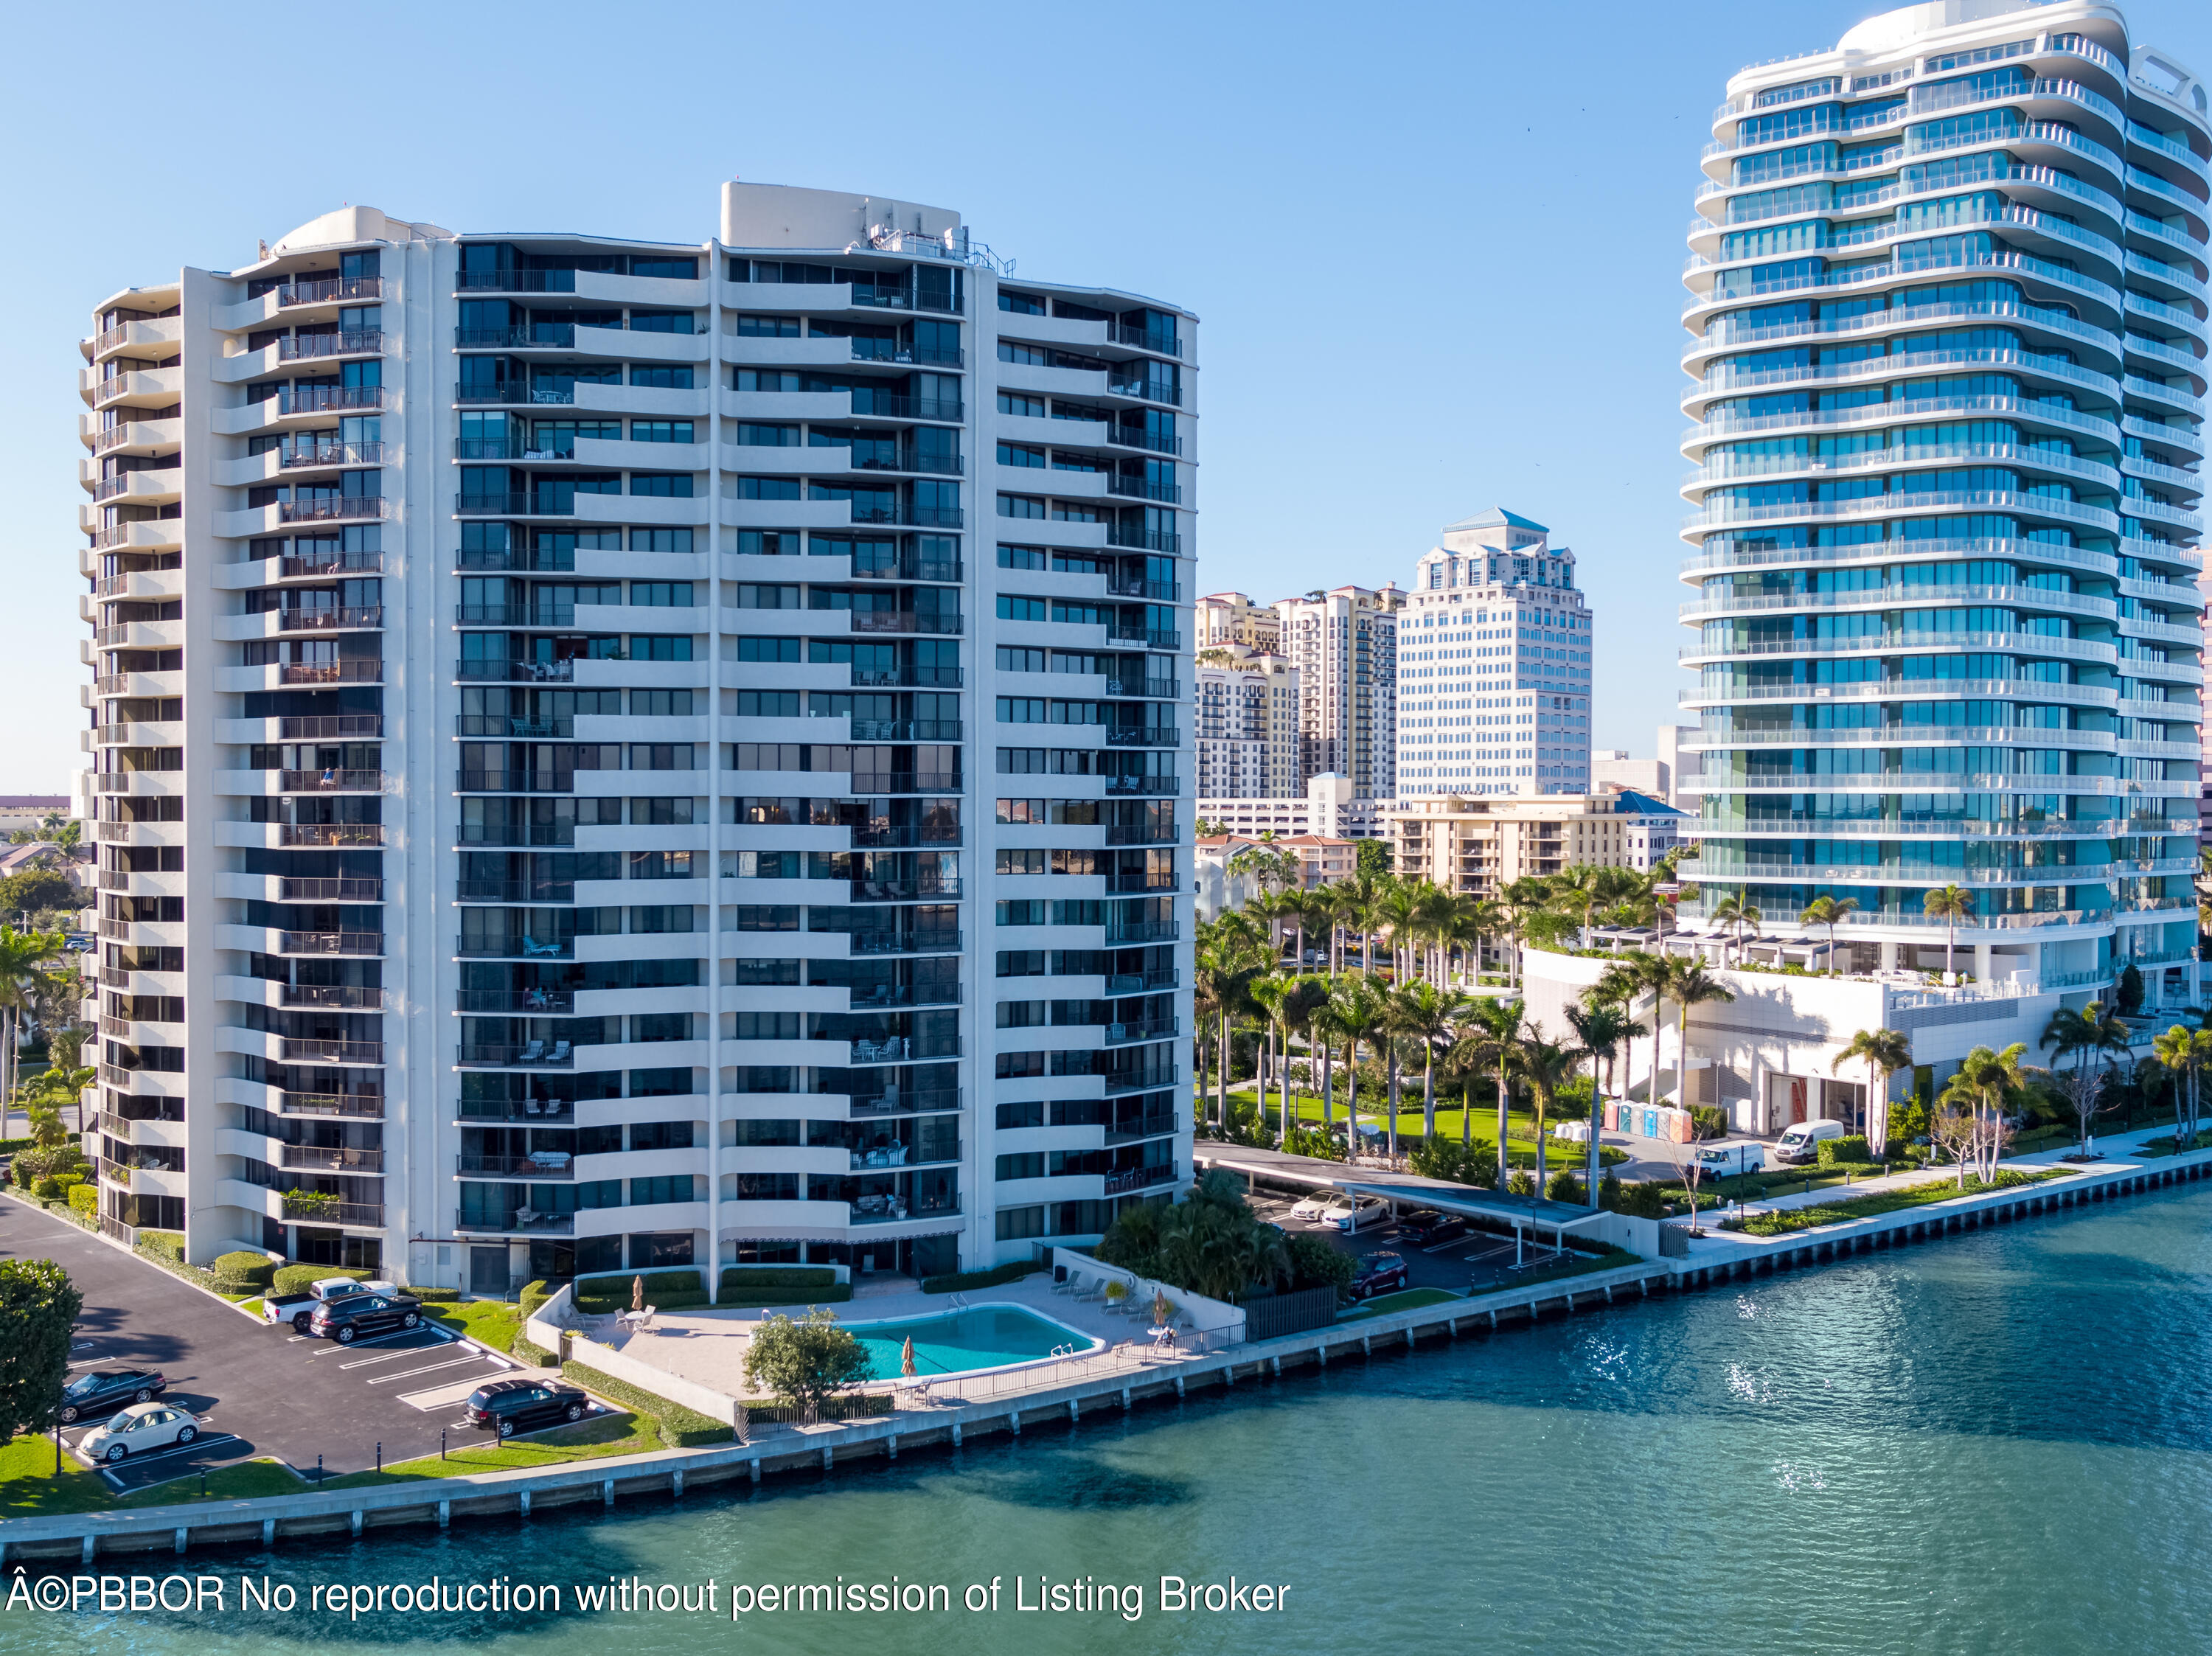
(257, 1390)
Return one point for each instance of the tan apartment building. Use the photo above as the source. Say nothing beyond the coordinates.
(1479, 847)
(1246, 704)
(1233, 618)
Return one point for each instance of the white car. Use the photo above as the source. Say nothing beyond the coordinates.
(1346, 1213)
(141, 1428)
(1311, 1207)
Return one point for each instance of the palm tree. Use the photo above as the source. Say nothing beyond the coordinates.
(1547, 1065)
(1577, 887)
(1304, 998)
(2177, 1050)
(1495, 1036)
(1474, 920)
(1221, 978)
(1518, 904)
(1884, 1052)
(23, 976)
(1357, 1008)
(1831, 912)
(1437, 916)
(1601, 1024)
(1987, 1080)
(1688, 985)
(1268, 994)
(1949, 904)
(1735, 913)
(1398, 909)
(1429, 1015)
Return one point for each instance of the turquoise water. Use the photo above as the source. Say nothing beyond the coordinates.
(1996, 1443)
(987, 1337)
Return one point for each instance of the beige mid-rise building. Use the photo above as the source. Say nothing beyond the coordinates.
(1232, 618)
(1247, 719)
(1344, 643)
(1479, 847)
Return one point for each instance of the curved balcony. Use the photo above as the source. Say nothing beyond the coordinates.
(1727, 467)
(335, 618)
(1880, 552)
(329, 290)
(1896, 736)
(1904, 689)
(1728, 515)
(146, 436)
(329, 673)
(1720, 381)
(1908, 597)
(348, 508)
(1726, 427)
(330, 943)
(331, 780)
(2072, 284)
(330, 835)
(298, 1050)
(2035, 646)
(346, 342)
(1722, 335)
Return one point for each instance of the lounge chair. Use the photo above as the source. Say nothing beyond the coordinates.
(559, 1054)
(1071, 1283)
(530, 1053)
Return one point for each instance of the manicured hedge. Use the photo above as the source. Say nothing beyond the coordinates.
(297, 1279)
(163, 1244)
(536, 1356)
(752, 1277)
(680, 1428)
(665, 1290)
(236, 1272)
(433, 1295)
(833, 1293)
(1850, 1150)
(968, 1281)
(534, 1295)
(84, 1199)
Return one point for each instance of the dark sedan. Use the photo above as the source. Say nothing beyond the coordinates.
(518, 1406)
(1378, 1273)
(1425, 1227)
(107, 1390)
(361, 1316)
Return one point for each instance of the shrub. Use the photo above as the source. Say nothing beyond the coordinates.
(1848, 1151)
(835, 1294)
(778, 1277)
(433, 1295)
(1707, 1122)
(968, 1281)
(665, 1290)
(1608, 1193)
(48, 1189)
(234, 1273)
(1475, 1163)
(84, 1199)
(297, 1279)
(810, 1359)
(536, 1356)
(1564, 1187)
(164, 1244)
(1641, 1201)
(1522, 1183)
(1315, 1264)
(679, 1428)
(533, 1295)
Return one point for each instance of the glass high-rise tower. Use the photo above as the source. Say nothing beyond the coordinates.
(1948, 317)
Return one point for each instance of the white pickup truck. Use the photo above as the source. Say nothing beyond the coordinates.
(298, 1309)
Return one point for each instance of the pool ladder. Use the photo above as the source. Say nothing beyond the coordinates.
(956, 1302)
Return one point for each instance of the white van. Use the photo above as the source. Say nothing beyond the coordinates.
(1726, 1161)
(1801, 1143)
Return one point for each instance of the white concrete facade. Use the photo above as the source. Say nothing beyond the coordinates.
(1344, 644)
(1494, 677)
(413, 551)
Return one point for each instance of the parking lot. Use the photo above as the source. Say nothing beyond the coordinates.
(255, 1390)
(1474, 1259)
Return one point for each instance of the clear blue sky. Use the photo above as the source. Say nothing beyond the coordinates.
(1436, 248)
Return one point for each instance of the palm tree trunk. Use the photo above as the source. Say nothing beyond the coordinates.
(1351, 1099)
(1328, 1088)
(1221, 1080)
(1393, 1101)
(1429, 1099)
(1466, 1112)
(1682, 1058)
(1502, 1168)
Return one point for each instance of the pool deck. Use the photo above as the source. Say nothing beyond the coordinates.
(708, 1347)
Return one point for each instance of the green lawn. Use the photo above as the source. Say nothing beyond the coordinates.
(590, 1439)
(492, 1322)
(1520, 1135)
(241, 1482)
(1786, 1220)
(30, 1488)
(1406, 1300)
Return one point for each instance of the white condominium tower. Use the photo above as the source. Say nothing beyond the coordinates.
(1343, 644)
(611, 754)
(1494, 674)
(1947, 315)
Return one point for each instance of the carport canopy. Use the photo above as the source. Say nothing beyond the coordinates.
(1411, 1190)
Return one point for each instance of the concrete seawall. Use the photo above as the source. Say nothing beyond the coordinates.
(1714, 1259)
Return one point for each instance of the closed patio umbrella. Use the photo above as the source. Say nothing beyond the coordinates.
(637, 1293)
(906, 1358)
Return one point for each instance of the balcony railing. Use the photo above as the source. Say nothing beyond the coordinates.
(907, 943)
(320, 566)
(1146, 540)
(329, 291)
(1133, 1081)
(311, 1207)
(1153, 689)
(467, 671)
(331, 672)
(332, 727)
(1142, 736)
(906, 622)
(515, 782)
(1128, 1179)
(347, 508)
(521, 1222)
(346, 342)
(328, 399)
(1165, 787)
(364, 1106)
(1128, 932)
(1151, 441)
(330, 943)
(1120, 1034)
(331, 781)
(518, 1055)
(1142, 488)
(522, 1003)
(315, 1051)
(1151, 391)
(329, 834)
(334, 618)
(514, 891)
(313, 1159)
(344, 997)
(292, 888)
(551, 726)
(514, 1167)
(516, 282)
(516, 615)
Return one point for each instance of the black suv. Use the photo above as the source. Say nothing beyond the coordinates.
(107, 1390)
(1425, 1227)
(354, 1316)
(509, 1406)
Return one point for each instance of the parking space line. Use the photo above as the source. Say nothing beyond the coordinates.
(405, 1374)
(403, 1333)
(384, 1356)
(108, 1468)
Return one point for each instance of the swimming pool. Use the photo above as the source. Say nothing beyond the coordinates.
(962, 1342)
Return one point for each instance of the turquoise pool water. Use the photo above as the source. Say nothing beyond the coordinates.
(987, 1337)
